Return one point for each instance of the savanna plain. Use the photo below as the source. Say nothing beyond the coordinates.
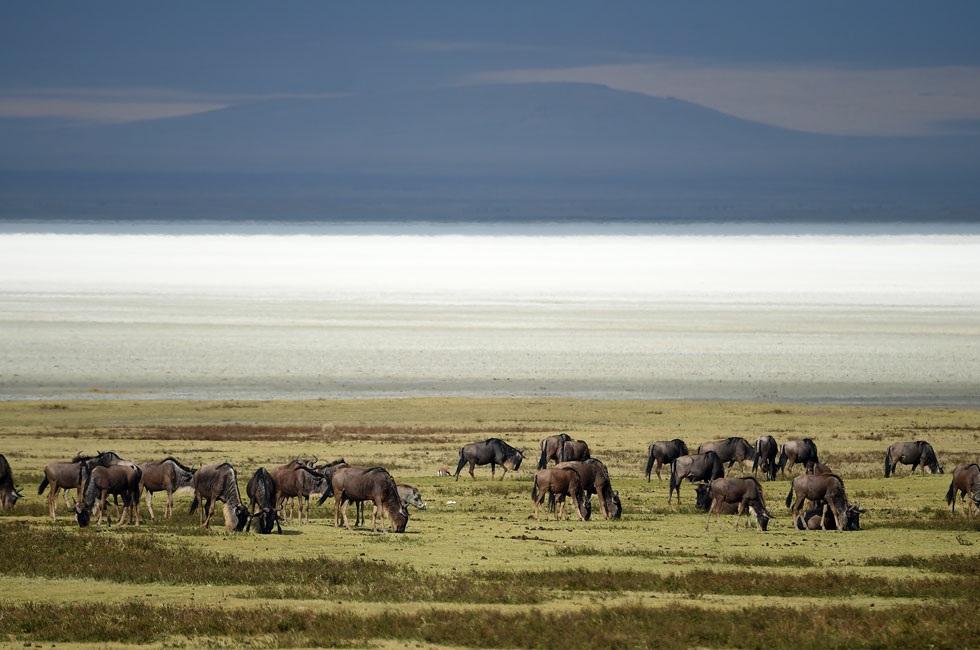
(474, 569)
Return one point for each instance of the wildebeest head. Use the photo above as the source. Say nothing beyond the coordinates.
(852, 517)
(415, 499)
(763, 517)
(513, 463)
(703, 496)
(236, 517)
(265, 520)
(8, 498)
(616, 512)
(82, 515)
(399, 518)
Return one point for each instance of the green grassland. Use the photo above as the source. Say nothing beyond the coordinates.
(474, 569)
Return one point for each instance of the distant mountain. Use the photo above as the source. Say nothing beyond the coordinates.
(575, 140)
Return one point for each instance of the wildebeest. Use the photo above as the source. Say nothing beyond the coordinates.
(664, 452)
(167, 475)
(214, 483)
(694, 467)
(72, 474)
(297, 480)
(411, 496)
(574, 450)
(818, 517)
(745, 493)
(915, 453)
(550, 449)
(118, 480)
(493, 452)
(376, 485)
(828, 488)
(966, 480)
(263, 501)
(765, 457)
(793, 452)
(595, 480)
(8, 491)
(730, 450)
(560, 483)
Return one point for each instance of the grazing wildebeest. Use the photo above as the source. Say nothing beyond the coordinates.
(64, 476)
(167, 475)
(8, 491)
(118, 480)
(493, 452)
(563, 482)
(828, 488)
(745, 493)
(915, 453)
(574, 450)
(263, 502)
(793, 452)
(411, 496)
(730, 450)
(766, 450)
(817, 517)
(550, 449)
(966, 480)
(595, 480)
(694, 467)
(702, 493)
(664, 452)
(214, 483)
(296, 480)
(376, 485)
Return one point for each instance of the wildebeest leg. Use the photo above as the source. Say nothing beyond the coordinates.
(337, 500)
(738, 514)
(149, 505)
(343, 511)
(795, 510)
(103, 504)
(503, 473)
(53, 501)
(915, 466)
(711, 507)
(206, 513)
(64, 493)
(472, 466)
(493, 471)
(560, 510)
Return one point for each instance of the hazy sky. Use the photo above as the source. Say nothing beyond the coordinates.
(831, 67)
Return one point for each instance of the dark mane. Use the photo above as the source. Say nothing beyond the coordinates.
(81, 458)
(225, 464)
(171, 459)
(503, 444)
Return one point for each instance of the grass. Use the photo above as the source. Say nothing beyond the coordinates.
(473, 569)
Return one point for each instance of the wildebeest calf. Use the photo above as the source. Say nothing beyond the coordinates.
(561, 483)
(745, 493)
(117, 480)
(263, 501)
(167, 475)
(966, 480)
(765, 457)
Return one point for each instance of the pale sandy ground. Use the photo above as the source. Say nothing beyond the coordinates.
(890, 318)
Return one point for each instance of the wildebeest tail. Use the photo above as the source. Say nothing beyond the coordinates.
(542, 462)
(673, 477)
(888, 463)
(650, 460)
(44, 484)
(758, 452)
(789, 497)
(951, 493)
(196, 502)
(534, 490)
(781, 463)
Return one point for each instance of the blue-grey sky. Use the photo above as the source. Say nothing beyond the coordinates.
(869, 68)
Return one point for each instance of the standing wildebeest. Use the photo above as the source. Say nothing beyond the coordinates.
(8, 491)
(214, 483)
(492, 451)
(664, 452)
(574, 450)
(261, 491)
(168, 475)
(595, 480)
(122, 479)
(745, 493)
(72, 474)
(376, 485)
(795, 452)
(297, 480)
(966, 479)
(765, 457)
(550, 449)
(559, 482)
(730, 450)
(695, 467)
(411, 496)
(915, 453)
(828, 488)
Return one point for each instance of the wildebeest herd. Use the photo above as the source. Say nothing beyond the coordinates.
(820, 502)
